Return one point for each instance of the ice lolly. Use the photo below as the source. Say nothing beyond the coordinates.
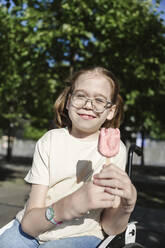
(108, 146)
(109, 142)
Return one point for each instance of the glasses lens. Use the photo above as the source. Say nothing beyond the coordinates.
(99, 104)
(78, 100)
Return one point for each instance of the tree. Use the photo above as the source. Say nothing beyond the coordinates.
(26, 87)
(47, 40)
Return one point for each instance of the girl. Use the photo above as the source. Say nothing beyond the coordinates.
(72, 193)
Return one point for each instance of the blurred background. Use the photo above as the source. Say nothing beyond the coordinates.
(42, 42)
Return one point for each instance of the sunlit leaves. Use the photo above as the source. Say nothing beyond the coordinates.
(41, 42)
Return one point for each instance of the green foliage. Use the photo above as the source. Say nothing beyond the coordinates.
(42, 41)
(32, 133)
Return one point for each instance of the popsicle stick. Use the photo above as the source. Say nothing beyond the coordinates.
(107, 162)
(117, 198)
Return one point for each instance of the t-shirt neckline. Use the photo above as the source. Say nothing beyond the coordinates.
(80, 140)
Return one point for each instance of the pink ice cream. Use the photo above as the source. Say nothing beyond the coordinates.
(109, 142)
(108, 146)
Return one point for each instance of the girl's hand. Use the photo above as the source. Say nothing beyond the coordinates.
(88, 197)
(116, 182)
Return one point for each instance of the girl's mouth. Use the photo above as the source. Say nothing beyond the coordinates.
(87, 117)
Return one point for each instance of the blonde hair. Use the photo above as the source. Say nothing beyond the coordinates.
(61, 113)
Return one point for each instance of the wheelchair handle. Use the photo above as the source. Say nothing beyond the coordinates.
(138, 150)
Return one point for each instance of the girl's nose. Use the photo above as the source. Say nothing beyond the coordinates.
(88, 104)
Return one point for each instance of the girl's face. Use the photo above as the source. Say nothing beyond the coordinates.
(85, 120)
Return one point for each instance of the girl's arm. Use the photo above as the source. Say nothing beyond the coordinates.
(88, 197)
(116, 182)
(34, 221)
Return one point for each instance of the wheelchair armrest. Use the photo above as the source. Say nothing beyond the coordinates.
(130, 233)
(122, 239)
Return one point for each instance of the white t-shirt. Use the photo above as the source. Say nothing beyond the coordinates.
(64, 163)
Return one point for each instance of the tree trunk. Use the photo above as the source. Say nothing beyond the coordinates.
(142, 146)
(9, 144)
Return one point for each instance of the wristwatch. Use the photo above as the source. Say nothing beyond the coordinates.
(50, 216)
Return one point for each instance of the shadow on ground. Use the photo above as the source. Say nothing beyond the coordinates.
(17, 167)
(150, 209)
(150, 184)
(18, 160)
(150, 226)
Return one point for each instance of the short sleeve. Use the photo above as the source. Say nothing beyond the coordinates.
(121, 158)
(39, 172)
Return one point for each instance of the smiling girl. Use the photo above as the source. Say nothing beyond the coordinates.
(69, 205)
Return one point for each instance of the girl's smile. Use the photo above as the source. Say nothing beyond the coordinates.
(86, 114)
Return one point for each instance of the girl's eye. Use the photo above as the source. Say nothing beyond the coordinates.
(99, 100)
(80, 95)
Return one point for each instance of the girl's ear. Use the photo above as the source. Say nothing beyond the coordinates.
(111, 113)
(68, 102)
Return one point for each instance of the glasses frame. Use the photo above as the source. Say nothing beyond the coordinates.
(93, 106)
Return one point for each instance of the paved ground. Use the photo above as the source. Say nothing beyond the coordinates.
(14, 192)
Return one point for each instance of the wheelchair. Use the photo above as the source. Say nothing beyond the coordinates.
(126, 239)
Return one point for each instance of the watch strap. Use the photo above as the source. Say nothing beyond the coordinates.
(55, 222)
(51, 217)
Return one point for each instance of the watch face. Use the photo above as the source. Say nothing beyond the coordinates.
(49, 213)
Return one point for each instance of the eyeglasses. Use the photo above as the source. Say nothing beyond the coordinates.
(98, 104)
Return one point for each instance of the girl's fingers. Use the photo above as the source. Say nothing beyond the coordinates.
(113, 167)
(107, 196)
(114, 183)
(116, 187)
(115, 191)
(112, 177)
(128, 193)
(110, 171)
(104, 200)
